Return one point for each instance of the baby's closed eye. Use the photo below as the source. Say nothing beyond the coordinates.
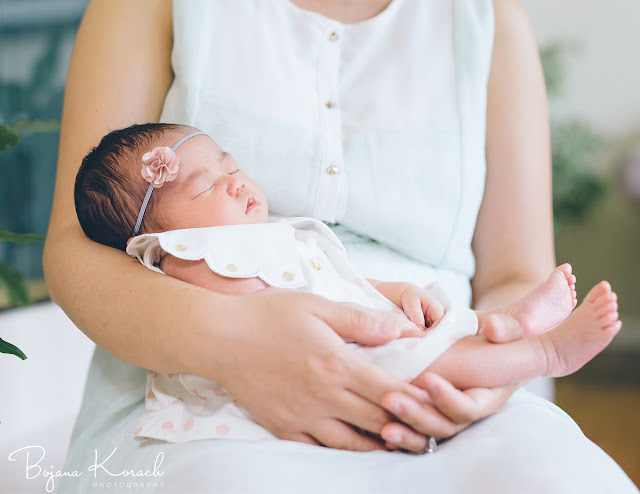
(210, 186)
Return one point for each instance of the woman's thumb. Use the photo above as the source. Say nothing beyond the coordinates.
(363, 325)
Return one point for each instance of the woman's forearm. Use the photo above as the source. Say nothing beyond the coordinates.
(129, 310)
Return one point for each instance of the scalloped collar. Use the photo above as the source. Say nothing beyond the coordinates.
(268, 251)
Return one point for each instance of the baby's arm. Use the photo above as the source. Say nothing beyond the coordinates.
(198, 273)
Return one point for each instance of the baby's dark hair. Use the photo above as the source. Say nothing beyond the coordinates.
(109, 188)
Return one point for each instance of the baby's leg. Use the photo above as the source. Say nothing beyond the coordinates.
(474, 362)
(545, 306)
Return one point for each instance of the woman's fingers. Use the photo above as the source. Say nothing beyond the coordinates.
(423, 418)
(362, 413)
(451, 411)
(408, 404)
(399, 436)
(299, 437)
(373, 383)
(354, 322)
(335, 434)
(463, 407)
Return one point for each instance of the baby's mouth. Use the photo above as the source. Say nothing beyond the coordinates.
(251, 204)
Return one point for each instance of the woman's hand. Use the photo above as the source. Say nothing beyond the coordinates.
(286, 362)
(449, 410)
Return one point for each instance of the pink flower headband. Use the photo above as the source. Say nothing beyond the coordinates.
(158, 167)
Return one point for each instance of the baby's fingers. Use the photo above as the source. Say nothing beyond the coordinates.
(412, 307)
(434, 312)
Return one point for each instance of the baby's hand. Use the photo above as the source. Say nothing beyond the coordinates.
(421, 308)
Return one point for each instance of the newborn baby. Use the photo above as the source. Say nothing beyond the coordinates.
(190, 212)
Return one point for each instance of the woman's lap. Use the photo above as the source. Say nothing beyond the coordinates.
(531, 446)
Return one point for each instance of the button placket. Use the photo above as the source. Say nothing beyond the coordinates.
(331, 161)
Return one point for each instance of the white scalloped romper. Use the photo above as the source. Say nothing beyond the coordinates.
(301, 254)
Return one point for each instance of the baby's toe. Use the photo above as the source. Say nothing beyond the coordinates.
(607, 308)
(565, 269)
(598, 291)
(606, 300)
(608, 318)
(613, 328)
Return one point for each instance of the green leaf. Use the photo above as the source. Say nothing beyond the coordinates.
(8, 137)
(20, 238)
(6, 347)
(554, 56)
(34, 125)
(13, 280)
(577, 186)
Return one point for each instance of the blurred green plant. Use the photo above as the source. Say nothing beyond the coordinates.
(576, 147)
(35, 96)
(13, 279)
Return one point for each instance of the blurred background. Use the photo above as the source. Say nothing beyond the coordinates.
(589, 51)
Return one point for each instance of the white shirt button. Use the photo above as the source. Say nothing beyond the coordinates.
(332, 170)
(334, 37)
(330, 105)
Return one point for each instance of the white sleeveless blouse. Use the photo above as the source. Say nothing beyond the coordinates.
(378, 126)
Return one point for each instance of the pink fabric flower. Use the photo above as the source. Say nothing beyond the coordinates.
(160, 166)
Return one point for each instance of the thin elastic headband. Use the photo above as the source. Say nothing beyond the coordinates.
(150, 189)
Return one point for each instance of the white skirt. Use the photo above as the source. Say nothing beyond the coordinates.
(530, 447)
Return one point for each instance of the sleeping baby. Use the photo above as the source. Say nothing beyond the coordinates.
(169, 196)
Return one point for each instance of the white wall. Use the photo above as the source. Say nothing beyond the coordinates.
(603, 78)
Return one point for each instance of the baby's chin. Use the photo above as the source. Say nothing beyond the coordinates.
(261, 216)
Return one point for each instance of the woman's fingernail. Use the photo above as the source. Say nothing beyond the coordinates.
(394, 438)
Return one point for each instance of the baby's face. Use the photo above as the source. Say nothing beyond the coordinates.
(210, 190)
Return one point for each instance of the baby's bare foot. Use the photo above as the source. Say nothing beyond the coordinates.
(584, 334)
(546, 305)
